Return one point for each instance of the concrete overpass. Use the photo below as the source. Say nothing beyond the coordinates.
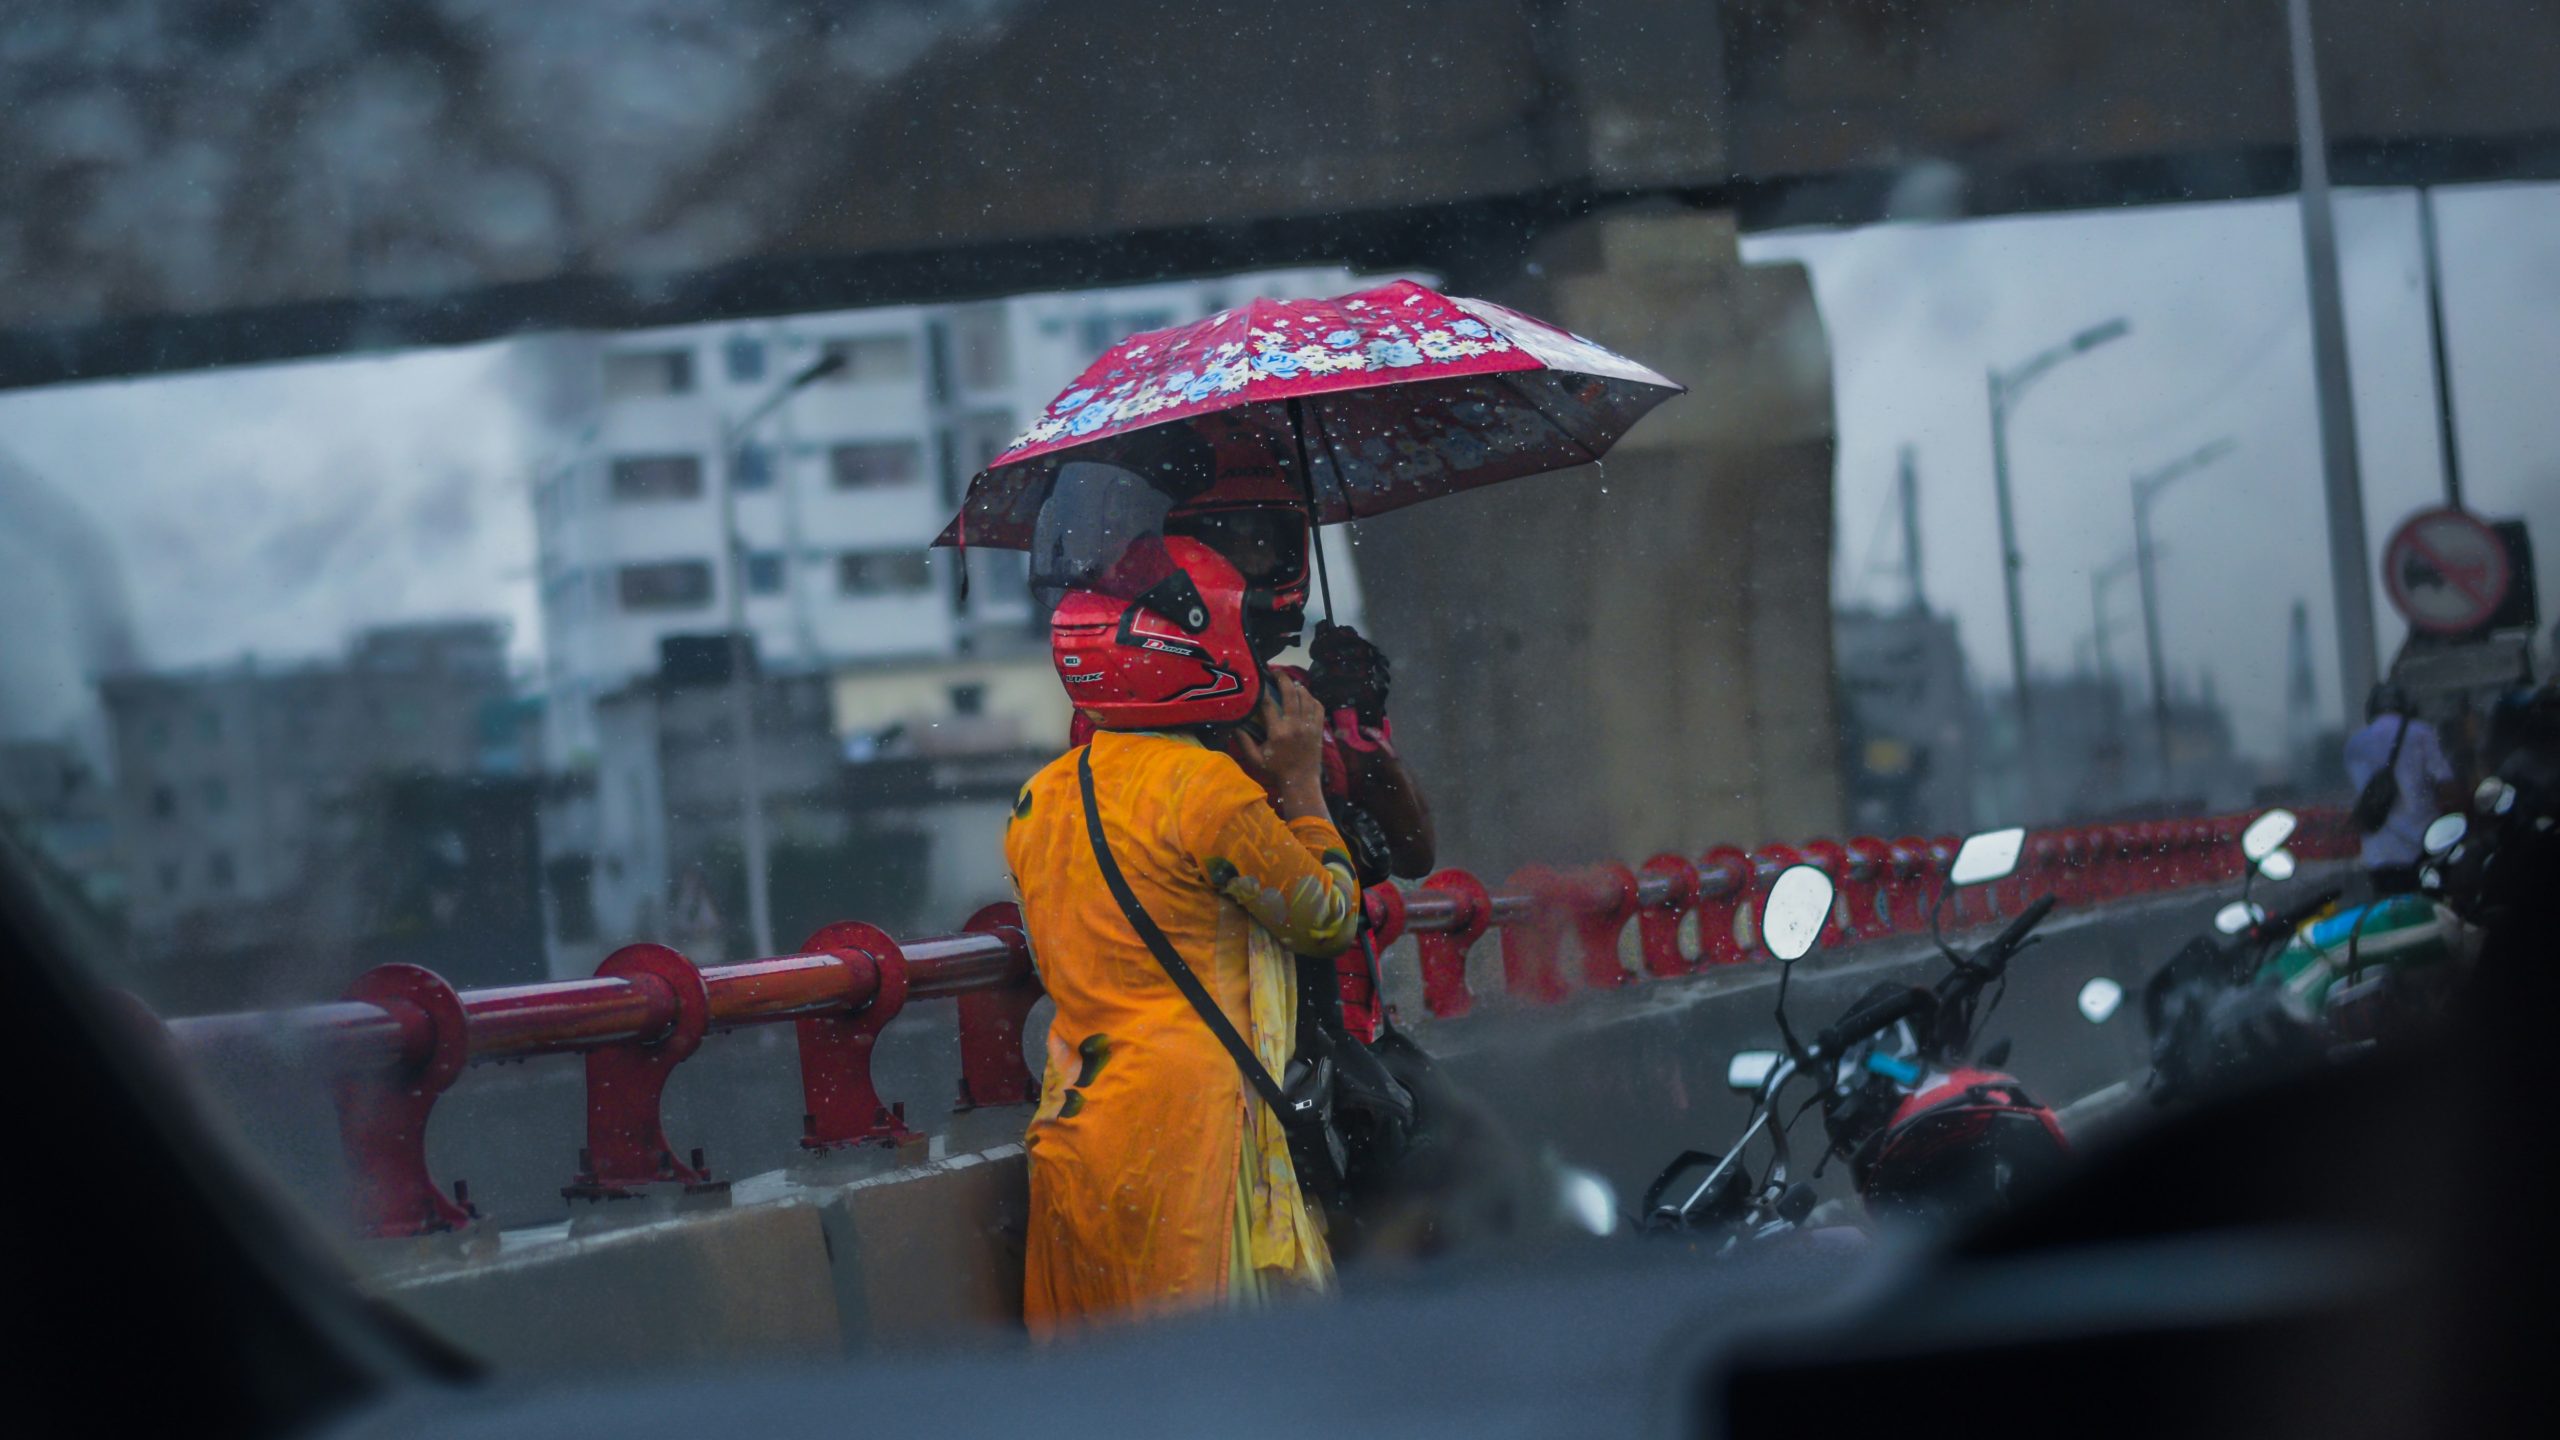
(226, 185)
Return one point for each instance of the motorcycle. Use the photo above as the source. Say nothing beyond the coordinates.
(2270, 993)
(1928, 1126)
(2210, 1023)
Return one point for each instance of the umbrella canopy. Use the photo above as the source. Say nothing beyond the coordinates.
(1388, 397)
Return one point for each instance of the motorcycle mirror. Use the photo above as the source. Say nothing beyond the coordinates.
(1991, 855)
(2237, 916)
(1587, 1202)
(2278, 866)
(2099, 999)
(2443, 833)
(1749, 1070)
(2494, 797)
(1799, 901)
(1995, 1054)
(2267, 834)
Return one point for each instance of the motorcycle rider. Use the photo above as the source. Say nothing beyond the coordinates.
(2395, 739)
(1233, 487)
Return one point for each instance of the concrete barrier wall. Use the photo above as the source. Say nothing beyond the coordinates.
(862, 1254)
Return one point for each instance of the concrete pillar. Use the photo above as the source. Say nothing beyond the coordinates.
(1634, 656)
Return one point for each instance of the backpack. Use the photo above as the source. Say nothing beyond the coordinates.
(2374, 803)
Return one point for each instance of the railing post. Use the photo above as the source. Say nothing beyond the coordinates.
(383, 1112)
(1724, 888)
(1529, 943)
(1862, 889)
(1908, 890)
(627, 1152)
(1766, 864)
(992, 1068)
(1658, 923)
(2042, 866)
(1600, 900)
(843, 1105)
(1444, 953)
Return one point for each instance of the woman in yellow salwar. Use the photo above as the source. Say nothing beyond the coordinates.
(1160, 1180)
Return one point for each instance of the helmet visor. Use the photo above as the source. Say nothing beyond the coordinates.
(1101, 529)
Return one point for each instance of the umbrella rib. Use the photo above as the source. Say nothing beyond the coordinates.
(1525, 393)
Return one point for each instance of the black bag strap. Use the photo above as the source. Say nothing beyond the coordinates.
(2402, 735)
(1175, 967)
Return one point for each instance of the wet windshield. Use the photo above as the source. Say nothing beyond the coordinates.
(529, 534)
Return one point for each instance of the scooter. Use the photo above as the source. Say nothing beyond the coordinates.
(1929, 1127)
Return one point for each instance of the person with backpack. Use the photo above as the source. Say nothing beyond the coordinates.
(2403, 780)
(1171, 872)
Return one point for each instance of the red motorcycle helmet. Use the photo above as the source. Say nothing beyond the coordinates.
(1140, 664)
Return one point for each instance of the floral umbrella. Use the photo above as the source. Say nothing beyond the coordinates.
(1387, 397)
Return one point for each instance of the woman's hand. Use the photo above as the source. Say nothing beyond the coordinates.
(1289, 759)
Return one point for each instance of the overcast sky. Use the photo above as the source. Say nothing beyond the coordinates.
(2220, 346)
(272, 510)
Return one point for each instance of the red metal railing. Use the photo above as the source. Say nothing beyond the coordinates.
(402, 1035)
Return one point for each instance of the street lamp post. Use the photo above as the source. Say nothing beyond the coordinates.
(2007, 386)
(2146, 489)
(2099, 581)
(742, 707)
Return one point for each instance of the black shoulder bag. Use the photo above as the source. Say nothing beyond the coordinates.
(1305, 1103)
(2375, 801)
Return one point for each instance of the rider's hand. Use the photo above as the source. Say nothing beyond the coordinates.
(1289, 758)
(1348, 673)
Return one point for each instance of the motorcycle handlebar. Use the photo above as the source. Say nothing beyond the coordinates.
(1867, 1019)
(2011, 938)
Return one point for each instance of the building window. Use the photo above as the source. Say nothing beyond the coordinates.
(638, 373)
(981, 351)
(169, 878)
(745, 356)
(217, 796)
(754, 467)
(217, 870)
(764, 572)
(164, 802)
(209, 726)
(155, 732)
(872, 359)
(666, 585)
(875, 462)
(882, 572)
(642, 478)
(968, 699)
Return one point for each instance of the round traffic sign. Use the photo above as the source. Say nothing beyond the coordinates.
(2445, 571)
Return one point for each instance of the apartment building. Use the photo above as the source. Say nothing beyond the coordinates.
(840, 484)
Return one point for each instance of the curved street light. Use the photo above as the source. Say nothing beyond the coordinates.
(2007, 386)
